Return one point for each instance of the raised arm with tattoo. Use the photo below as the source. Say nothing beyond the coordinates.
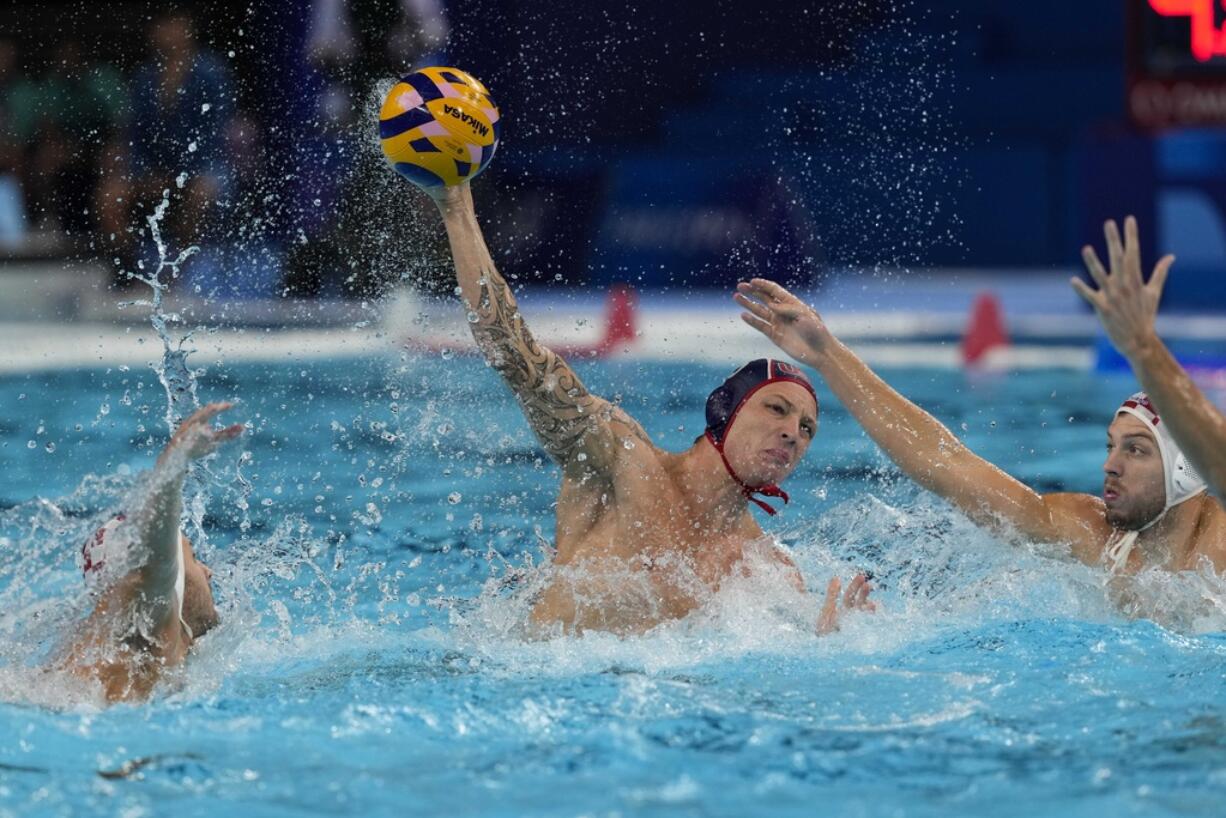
(1126, 305)
(567, 418)
(917, 442)
(643, 535)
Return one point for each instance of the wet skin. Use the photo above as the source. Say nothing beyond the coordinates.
(671, 524)
(1134, 485)
(1134, 490)
(642, 534)
(134, 633)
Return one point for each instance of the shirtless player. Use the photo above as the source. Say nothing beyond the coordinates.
(147, 619)
(643, 535)
(1153, 511)
(1126, 305)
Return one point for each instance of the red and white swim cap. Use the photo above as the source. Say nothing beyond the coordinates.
(1182, 481)
(94, 549)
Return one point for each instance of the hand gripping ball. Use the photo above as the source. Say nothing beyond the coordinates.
(438, 126)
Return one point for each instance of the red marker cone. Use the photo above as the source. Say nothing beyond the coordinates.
(620, 318)
(985, 330)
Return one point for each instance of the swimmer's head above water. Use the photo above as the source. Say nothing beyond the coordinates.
(198, 609)
(777, 411)
(1145, 474)
(152, 597)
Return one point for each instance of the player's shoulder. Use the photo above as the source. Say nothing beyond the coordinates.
(1213, 536)
(1077, 503)
(1080, 520)
(630, 441)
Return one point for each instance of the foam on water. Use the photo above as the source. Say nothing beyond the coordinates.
(934, 570)
(947, 576)
(294, 593)
(935, 573)
(351, 637)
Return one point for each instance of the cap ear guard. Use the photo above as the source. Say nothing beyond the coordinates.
(720, 406)
(1185, 479)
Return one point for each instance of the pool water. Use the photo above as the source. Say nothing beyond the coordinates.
(375, 540)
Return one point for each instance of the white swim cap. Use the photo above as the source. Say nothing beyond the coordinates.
(101, 547)
(1182, 481)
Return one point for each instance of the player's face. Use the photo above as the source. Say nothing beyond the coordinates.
(771, 433)
(199, 609)
(1134, 485)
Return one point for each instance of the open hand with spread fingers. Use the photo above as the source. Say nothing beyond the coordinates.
(196, 437)
(854, 599)
(1125, 304)
(793, 325)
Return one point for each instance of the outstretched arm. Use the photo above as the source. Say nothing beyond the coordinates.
(569, 420)
(917, 442)
(1126, 305)
(157, 519)
(144, 598)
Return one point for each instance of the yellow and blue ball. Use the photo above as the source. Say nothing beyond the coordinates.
(438, 126)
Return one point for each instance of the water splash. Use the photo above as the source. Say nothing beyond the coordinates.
(40, 572)
(936, 573)
(176, 377)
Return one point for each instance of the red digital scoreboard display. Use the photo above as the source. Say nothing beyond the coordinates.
(1177, 62)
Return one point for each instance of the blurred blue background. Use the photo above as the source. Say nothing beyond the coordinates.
(669, 145)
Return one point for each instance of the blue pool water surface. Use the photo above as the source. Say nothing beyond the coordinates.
(375, 539)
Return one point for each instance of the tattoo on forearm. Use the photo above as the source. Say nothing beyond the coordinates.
(559, 408)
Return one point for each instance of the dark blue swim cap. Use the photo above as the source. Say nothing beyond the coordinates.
(730, 396)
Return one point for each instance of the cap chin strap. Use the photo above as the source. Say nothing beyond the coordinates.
(748, 492)
(181, 587)
(1119, 551)
(93, 549)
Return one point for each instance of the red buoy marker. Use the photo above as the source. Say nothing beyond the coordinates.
(985, 331)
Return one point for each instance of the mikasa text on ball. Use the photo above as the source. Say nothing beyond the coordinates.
(438, 126)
